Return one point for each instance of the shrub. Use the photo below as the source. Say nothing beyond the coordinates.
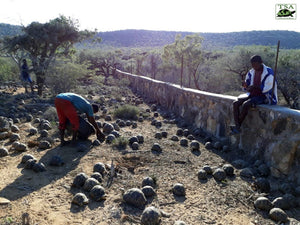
(50, 114)
(8, 70)
(62, 76)
(127, 112)
(120, 143)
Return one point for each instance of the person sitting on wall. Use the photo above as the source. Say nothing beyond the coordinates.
(259, 87)
(67, 105)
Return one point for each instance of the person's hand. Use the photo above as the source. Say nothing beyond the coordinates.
(100, 136)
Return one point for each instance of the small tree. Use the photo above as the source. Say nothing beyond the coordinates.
(289, 77)
(104, 63)
(185, 52)
(44, 42)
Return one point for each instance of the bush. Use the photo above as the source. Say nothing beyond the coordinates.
(8, 70)
(63, 76)
(50, 114)
(127, 112)
(120, 143)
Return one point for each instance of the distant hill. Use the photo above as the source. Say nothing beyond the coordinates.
(147, 38)
(9, 30)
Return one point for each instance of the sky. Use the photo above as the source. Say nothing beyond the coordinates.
(169, 15)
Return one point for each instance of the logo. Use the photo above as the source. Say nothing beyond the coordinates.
(286, 11)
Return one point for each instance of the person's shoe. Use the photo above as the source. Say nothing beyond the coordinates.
(235, 130)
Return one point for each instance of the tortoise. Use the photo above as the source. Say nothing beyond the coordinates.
(90, 183)
(79, 180)
(110, 138)
(97, 193)
(3, 152)
(26, 157)
(39, 167)
(80, 199)
(178, 189)
(148, 181)
(99, 167)
(148, 191)
(151, 216)
(195, 145)
(97, 176)
(135, 197)
(56, 161)
(202, 174)
(135, 146)
(29, 163)
(285, 13)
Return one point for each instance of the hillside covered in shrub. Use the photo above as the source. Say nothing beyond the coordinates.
(148, 38)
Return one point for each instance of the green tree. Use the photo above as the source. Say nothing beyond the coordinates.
(44, 42)
(63, 75)
(185, 52)
(8, 69)
(288, 77)
(104, 63)
(153, 63)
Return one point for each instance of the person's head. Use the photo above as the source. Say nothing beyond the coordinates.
(95, 108)
(256, 62)
(24, 61)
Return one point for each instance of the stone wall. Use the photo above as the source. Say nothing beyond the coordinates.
(269, 132)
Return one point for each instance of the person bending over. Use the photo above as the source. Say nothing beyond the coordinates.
(259, 85)
(67, 105)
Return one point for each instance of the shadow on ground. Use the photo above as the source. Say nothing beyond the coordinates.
(31, 181)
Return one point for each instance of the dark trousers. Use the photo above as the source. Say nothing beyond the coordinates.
(245, 104)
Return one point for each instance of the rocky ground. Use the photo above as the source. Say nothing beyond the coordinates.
(190, 177)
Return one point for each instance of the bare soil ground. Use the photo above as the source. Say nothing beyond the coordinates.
(46, 197)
